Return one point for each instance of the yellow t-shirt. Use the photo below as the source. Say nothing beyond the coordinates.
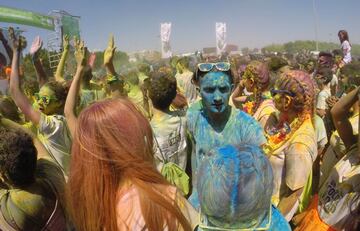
(292, 163)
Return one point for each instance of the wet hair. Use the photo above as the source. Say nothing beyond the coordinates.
(9, 110)
(59, 90)
(18, 157)
(235, 186)
(302, 85)
(162, 90)
(343, 34)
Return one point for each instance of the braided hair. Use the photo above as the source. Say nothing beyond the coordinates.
(259, 73)
(302, 85)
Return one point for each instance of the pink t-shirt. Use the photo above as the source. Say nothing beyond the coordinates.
(129, 216)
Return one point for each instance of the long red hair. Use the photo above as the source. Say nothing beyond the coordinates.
(113, 144)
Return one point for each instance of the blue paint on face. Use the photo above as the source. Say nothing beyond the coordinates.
(215, 90)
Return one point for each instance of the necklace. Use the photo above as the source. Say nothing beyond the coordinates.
(278, 136)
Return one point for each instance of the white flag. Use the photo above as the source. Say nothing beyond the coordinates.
(220, 28)
(165, 32)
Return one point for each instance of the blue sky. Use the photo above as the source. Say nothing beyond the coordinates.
(250, 23)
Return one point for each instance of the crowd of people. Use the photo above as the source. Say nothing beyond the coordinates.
(212, 143)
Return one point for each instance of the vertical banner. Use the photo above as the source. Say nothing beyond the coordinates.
(220, 28)
(70, 25)
(165, 32)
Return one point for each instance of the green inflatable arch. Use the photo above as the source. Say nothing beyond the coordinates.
(13, 15)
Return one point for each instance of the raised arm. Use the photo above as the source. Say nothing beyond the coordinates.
(34, 51)
(18, 96)
(59, 74)
(237, 96)
(340, 115)
(109, 55)
(6, 45)
(70, 104)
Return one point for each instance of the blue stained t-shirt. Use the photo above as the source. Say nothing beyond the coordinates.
(240, 129)
(277, 222)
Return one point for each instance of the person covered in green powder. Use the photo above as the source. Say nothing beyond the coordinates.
(89, 92)
(135, 93)
(48, 117)
(32, 187)
(213, 122)
(115, 85)
(235, 187)
(143, 72)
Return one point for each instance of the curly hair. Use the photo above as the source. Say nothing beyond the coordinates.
(59, 90)
(302, 85)
(18, 157)
(162, 89)
(9, 109)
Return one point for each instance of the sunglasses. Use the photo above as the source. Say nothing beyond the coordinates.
(45, 99)
(286, 92)
(220, 66)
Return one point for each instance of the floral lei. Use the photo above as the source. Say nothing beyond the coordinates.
(250, 106)
(277, 136)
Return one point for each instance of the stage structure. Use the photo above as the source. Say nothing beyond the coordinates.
(59, 22)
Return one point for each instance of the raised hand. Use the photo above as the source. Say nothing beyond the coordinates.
(36, 45)
(109, 51)
(66, 42)
(80, 52)
(19, 43)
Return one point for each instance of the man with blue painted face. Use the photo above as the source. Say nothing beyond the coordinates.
(212, 122)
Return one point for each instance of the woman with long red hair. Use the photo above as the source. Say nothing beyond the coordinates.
(114, 184)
